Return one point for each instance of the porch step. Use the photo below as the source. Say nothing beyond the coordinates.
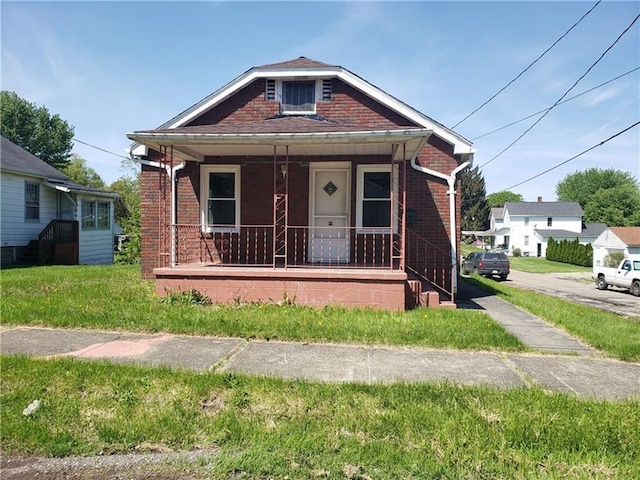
(420, 295)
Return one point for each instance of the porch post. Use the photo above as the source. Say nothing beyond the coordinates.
(403, 230)
(280, 207)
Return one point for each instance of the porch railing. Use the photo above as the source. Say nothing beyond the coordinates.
(58, 243)
(429, 262)
(253, 245)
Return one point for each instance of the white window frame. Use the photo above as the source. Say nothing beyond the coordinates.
(317, 95)
(526, 240)
(360, 171)
(94, 215)
(28, 204)
(205, 170)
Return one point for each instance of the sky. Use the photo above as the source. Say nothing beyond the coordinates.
(109, 68)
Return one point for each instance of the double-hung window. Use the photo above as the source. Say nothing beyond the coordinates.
(220, 194)
(31, 202)
(374, 190)
(95, 215)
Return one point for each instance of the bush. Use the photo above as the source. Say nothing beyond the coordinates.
(572, 252)
(517, 252)
(613, 259)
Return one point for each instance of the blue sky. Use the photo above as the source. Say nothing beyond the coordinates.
(113, 67)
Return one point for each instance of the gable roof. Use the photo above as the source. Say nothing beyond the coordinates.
(497, 212)
(593, 229)
(308, 68)
(544, 209)
(16, 159)
(629, 235)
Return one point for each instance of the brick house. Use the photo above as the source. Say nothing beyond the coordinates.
(302, 181)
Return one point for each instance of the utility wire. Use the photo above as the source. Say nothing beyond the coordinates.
(574, 157)
(564, 94)
(101, 149)
(548, 108)
(530, 65)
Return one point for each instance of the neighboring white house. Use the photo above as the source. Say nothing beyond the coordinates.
(36, 199)
(527, 226)
(624, 240)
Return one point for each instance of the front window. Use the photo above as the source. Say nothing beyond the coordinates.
(31, 201)
(374, 198)
(95, 215)
(221, 194)
(299, 97)
(526, 240)
(526, 221)
(549, 222)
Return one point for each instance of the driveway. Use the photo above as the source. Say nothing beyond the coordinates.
(578, 287)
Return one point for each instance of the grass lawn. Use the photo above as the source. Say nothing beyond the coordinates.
(115, 298)
(615, 335)
(269, 428)
(542, 265)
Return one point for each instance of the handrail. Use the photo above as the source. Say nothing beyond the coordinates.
(430, 263)
(56, 231)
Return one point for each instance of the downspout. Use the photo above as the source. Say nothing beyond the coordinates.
(451, 181)
(174, 197)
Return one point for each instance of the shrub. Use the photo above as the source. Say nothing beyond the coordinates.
(613, 259)
(517, 252)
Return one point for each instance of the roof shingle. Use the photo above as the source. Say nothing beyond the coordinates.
(300, 62)
(544, 209)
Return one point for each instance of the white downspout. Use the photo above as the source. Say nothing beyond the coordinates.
(174, 197)
(451, 181)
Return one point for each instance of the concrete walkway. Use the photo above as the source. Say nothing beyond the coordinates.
(530, 330)
(584, 377)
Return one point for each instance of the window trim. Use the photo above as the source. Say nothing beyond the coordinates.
(94, 215)
(360, 171)
(205, 170)
(316, 98)
(26, 202)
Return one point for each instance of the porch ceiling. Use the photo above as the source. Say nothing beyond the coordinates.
(196, 146)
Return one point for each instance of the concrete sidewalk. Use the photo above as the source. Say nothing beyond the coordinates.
(583, 377)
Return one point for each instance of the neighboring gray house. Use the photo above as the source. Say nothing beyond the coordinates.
(529, 225)
(47, 218)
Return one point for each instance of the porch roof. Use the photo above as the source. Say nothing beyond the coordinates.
(303, 135)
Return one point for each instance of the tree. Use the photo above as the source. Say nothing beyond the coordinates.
(127, 215)
(46, 136)
(498, 199)
(607, 196)
(78, 171)
(474, 208)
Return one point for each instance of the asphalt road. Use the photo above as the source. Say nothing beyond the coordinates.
(580, 288)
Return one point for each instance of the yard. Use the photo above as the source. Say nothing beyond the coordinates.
(258, 427)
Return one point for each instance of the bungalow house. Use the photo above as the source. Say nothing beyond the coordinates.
(302, 181)
(49, 219)
(620, 240)
(528, 226)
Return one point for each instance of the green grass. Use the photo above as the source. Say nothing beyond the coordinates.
(610, 333)
(270, 428)
(115, 298)
(542, 265)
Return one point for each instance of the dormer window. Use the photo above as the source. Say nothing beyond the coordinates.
(299, 97)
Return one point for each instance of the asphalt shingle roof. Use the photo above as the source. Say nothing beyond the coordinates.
(16, 159)
(300, 62)
(544, 209)
(629, 235)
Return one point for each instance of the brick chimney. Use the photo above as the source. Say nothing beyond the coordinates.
(539, 199)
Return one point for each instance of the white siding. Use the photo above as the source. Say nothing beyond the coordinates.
(96, 245)
(14, 229)
(518, 230)
(608, 242)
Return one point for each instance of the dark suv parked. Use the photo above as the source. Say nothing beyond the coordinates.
(487, 263)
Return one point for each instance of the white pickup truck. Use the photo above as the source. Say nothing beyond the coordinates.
(626, 275)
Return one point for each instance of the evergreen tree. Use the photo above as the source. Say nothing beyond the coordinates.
(474, 208)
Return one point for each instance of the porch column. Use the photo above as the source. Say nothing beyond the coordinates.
(280, 207)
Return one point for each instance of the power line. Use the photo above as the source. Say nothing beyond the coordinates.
(530, 65)
(101, 149)
(564, 94)
(574, 157)
(564, 101)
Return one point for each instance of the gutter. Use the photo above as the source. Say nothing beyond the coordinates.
(451, 181)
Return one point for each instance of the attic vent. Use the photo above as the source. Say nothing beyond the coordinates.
(326, 89)
(270, 89)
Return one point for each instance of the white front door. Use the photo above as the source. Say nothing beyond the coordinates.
(329, 212)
